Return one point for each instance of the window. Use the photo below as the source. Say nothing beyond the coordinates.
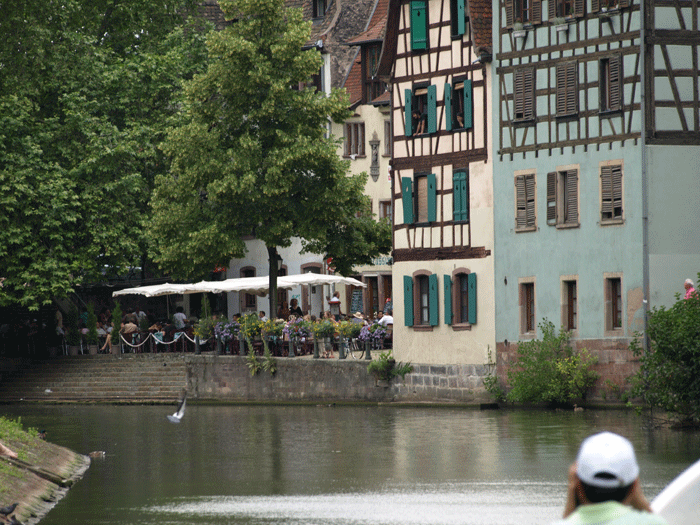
(458, 17)
(460, 196)
(610, 85)
(567, 89)
(420, 299)
(248, 300)
(319, 8)
(523, 11)
(373, 87)
(387, 138)
(459, 109)
(569, 305)
(385, 210)
(419, 206)
(527, 308)
(460, 298)
(421, 110)
(525, 218)
(562, 198)
(608, 5)
(613, 303)
(524, 93)
(565, 8)
(419, 25)
(355, 139)
(611, 192)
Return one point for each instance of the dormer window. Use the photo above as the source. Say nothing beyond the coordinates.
(319, 8)
(373, 87)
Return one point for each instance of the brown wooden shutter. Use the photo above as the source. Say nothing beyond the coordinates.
(571, 197)
(552, 198)
(617, 191)
(579, 6)
(552, 9)
(530, 196)
(509, 13)
(606, 205)
(520, 203)
(536, 13)
(624, 3)
(529, 93)
(615, 83)
(561, 89)
(571, 88)
(595, 6)
(518, 94)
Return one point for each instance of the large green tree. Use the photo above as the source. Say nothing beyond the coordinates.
(251, 155)
(86, 89)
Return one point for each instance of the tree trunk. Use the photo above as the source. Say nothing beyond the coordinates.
(272, 259)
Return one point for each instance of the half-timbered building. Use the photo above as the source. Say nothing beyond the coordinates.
(596, 191)
(367, 144)
(436, 58)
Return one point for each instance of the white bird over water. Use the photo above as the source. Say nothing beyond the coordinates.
(177, 416)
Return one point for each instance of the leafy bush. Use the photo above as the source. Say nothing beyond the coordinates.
(325, 328)
(549, 370)
(92, 337)
(669, 377)
(72, 326)
(205, 327)
(385, 367)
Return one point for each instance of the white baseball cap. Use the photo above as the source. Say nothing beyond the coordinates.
(607, 460)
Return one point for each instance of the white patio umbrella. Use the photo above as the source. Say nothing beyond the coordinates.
(156, 290)
(315, 279)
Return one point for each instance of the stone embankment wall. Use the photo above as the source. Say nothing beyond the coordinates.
(228, 378)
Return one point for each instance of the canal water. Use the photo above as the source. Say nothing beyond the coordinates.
(335, 465)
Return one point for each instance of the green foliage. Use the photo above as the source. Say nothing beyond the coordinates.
(273, 327)
(92, 337)
(669, 377)
(252, 361)
(269, 363)
(251, 325)
(385, 367)
(491, 383)
(205, 327)
(548, 370)
(350, 330)
(72, 326)
(249, 155)
(116, 321)
(86, 92)
(323, 328)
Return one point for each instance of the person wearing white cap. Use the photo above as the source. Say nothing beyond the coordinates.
(604, 485)
(689, 289)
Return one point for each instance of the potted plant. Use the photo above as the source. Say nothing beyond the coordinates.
(518, 29)
(91, 336)
(251, 328)
(73, 331)
(384, 369)
(116, 326)
(323, 331)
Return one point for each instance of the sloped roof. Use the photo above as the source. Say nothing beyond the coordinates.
(376, 27)
(353, 82)
(480, 18)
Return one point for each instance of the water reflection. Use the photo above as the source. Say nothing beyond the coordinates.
(334, 465)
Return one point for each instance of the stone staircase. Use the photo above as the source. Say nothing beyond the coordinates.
(125, 378)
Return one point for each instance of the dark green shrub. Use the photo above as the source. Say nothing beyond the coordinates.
(386, 368)
(548, 370)
(669, 377)
(92, 337)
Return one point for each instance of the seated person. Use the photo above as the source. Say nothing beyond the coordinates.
(420, 122)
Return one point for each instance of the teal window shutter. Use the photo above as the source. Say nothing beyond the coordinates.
(432, 198)
(407, 199)
(419, 25)
(468, 105)
(433, 299)
(471, 290)
(432, 109)
(448, 107)
(447, 299)
(408, 96)
(408, 300)
(460, 197)
(461, 25)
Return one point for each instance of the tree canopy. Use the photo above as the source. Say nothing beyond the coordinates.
(86, 91)
(251, 156)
